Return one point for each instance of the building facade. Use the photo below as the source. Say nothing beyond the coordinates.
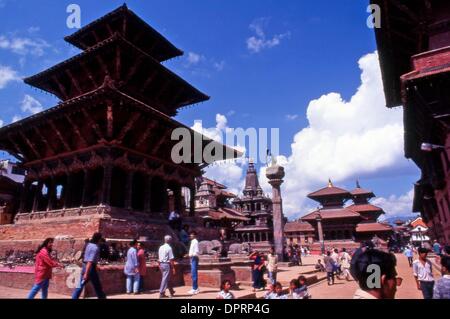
(414, 49)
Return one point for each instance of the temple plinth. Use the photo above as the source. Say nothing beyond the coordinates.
(275, 175)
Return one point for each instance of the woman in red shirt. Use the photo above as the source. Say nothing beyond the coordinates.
(142, 265)
(43, 269)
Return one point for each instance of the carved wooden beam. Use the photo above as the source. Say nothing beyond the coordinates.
(77, 131)
(30, 145)
(74, 81)
(44, 140)
(94, 33)
(146, 134)
(109, 119)
(93, 125)
(102, 64)
(163, 90)
(131, 121)
(18, 149)
(110, 31)
(61, 87)
(88, 73)
(149, 80)
(118, 61)
(137, 64)
(161, 141)
(406, 10)
(59, 135)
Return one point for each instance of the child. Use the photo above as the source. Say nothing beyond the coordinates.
(293, 287)
(319, 266)
(270, 292)
(302, 290)
(225, 292)
(278, 292)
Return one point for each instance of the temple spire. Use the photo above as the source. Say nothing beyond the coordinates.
(330, 183)
(357, 184)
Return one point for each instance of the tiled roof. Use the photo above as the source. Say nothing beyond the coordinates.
(362, 191)
(372, 227)
(364, 208)
(226, 213)
(298, 227)
(327, 191)
(332, 214)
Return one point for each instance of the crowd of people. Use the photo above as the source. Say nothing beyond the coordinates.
(337, 264)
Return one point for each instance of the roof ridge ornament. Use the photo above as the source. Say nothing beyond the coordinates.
(330, 183)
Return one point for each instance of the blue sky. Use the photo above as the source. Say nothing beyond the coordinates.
(262, 62)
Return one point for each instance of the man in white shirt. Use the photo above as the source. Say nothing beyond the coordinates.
(166, 262)
(193, 254)
(423, 273)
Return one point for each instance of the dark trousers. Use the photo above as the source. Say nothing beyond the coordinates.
(427, 289)
(410, 261)
(94, 279)
(330, 277)
(258, 279)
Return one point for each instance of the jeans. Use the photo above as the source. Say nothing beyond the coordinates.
(273, 277)
(427, 289)
(94, 279)
(410, 261)
(258, 279)
(194, 272)
(43, 286)
(141, 283)
(133, 283)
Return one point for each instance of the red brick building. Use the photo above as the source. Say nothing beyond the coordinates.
(414, 50)
(342, 226)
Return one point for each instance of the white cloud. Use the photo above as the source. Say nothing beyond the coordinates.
(33, 29)
(24, 46)
(231, 113)
(7, 75)
(16, 118)
(259, 41)
(219, 66)
(1, 122)
(344, 140)
(194, 58)
(30, 104)
(291, 117)
(396, 205)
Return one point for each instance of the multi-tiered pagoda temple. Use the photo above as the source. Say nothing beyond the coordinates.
(100, 160)
(257, 207)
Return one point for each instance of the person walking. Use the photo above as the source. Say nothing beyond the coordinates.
(166, 264)
(272, 265)
(131, 269)
(43, 269)
(329, 267)
(193, 254)
(442, 286)
(409, 254)
(142, 260)
(345, 260)
(89, 270)
(423, 273)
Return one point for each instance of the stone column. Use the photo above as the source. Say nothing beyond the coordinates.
(320, 231)
(129, 191)
(86, 187)
(24, 195)
(260, 236)
(148, 195)
(37, 196)
(275, 175)
(68, 191)
(106, 185)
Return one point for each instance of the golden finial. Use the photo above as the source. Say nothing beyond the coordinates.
(330, 183)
